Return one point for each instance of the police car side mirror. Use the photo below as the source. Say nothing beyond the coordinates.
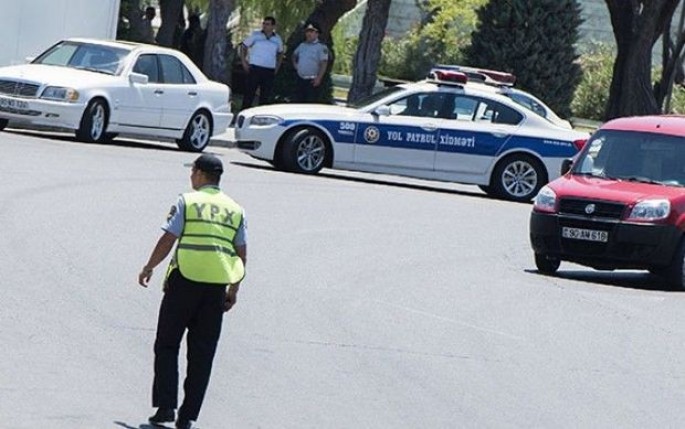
(382, 111)
(566, 165)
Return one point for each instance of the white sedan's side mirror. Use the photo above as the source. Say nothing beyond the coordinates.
(382, 111)
(138, 78)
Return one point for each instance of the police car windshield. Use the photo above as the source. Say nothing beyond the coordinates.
(373, 98)
(634, 156)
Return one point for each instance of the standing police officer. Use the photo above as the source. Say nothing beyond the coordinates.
(210, 255)
(310, 59)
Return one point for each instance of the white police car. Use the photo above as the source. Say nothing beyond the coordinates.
(438, 129)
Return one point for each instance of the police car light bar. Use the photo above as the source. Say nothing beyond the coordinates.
(447, 77)
(490, 77)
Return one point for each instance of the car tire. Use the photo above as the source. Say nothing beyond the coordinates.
(93, 122)
(198, 132)
(3, 123)
(518, 177)
(547, 264)
(305, 151)
(675, 273)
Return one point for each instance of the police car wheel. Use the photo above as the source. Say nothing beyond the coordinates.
(305, 151)
(93, 122)
(197, 134)
(546, 264)
(518, 177)
(3, 124)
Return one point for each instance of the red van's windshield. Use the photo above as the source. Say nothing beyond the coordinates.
(634, 156)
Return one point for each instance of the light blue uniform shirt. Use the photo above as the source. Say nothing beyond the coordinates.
(175, 222)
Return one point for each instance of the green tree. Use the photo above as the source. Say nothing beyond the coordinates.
(533, 39)
(439, 39)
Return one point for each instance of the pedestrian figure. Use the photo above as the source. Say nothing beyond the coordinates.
(193, 41)
(201, 284)
(261, 55)
(310, 60)
(148, 31)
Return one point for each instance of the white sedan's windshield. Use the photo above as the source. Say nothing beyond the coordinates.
(86, 56)
(634, 156)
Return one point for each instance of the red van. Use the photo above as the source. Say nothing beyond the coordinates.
(621, 205)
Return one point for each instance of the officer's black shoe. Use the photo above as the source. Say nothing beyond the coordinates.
(163, 415)
(184, 424)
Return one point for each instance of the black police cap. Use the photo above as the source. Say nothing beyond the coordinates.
(207, 163)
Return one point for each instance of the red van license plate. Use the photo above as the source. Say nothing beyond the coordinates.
(585, 234)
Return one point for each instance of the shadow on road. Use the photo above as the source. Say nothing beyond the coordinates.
(119, 141)
(628, 280)
(334, 176)
(142, 426)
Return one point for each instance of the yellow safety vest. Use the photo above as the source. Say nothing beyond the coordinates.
(205, 251)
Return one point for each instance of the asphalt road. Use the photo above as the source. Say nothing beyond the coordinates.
(370, 302)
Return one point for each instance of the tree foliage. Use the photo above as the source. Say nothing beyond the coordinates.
(438, 39)
(534, 39)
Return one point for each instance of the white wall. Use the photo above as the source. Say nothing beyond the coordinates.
(28, 27)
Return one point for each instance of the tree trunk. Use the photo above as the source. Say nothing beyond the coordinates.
(637, 25)
(215, 66)
(368, 53)
(169, 11)
(134, 15)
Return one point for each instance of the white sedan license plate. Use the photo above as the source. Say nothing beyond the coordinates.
(585, 234)
(10, 103)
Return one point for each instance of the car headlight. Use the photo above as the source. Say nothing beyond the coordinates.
(545, 200)
(650, 210)
(264, 120)
(60, 93)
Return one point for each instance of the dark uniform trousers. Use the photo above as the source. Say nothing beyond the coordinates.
(258, 77)
(199, 308)
(306, 91)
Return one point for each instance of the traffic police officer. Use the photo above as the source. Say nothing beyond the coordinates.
(210, 255)
(310, 59)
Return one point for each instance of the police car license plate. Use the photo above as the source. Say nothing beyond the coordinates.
(585, 234)
(10, 103)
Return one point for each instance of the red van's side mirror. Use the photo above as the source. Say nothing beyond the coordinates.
(566, 165)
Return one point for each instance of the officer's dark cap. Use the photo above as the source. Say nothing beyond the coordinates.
(207, 163)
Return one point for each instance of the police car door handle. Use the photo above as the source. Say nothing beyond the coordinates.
(192, 93)
(429, 127)
(159, 92)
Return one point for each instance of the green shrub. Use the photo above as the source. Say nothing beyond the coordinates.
(678, 100)
(592, 94)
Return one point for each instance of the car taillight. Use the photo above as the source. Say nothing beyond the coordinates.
(578, 144)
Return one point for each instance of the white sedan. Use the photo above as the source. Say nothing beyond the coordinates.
(435, 129)
(104, 88)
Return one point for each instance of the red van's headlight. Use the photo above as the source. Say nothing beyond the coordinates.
(650, 210)
(545, 200)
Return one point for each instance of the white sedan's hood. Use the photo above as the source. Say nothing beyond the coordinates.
(287, 111)
(54, 75)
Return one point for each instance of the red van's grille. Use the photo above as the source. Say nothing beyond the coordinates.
(591, 208)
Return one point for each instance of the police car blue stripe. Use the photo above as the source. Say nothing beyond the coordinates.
(442, 140)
